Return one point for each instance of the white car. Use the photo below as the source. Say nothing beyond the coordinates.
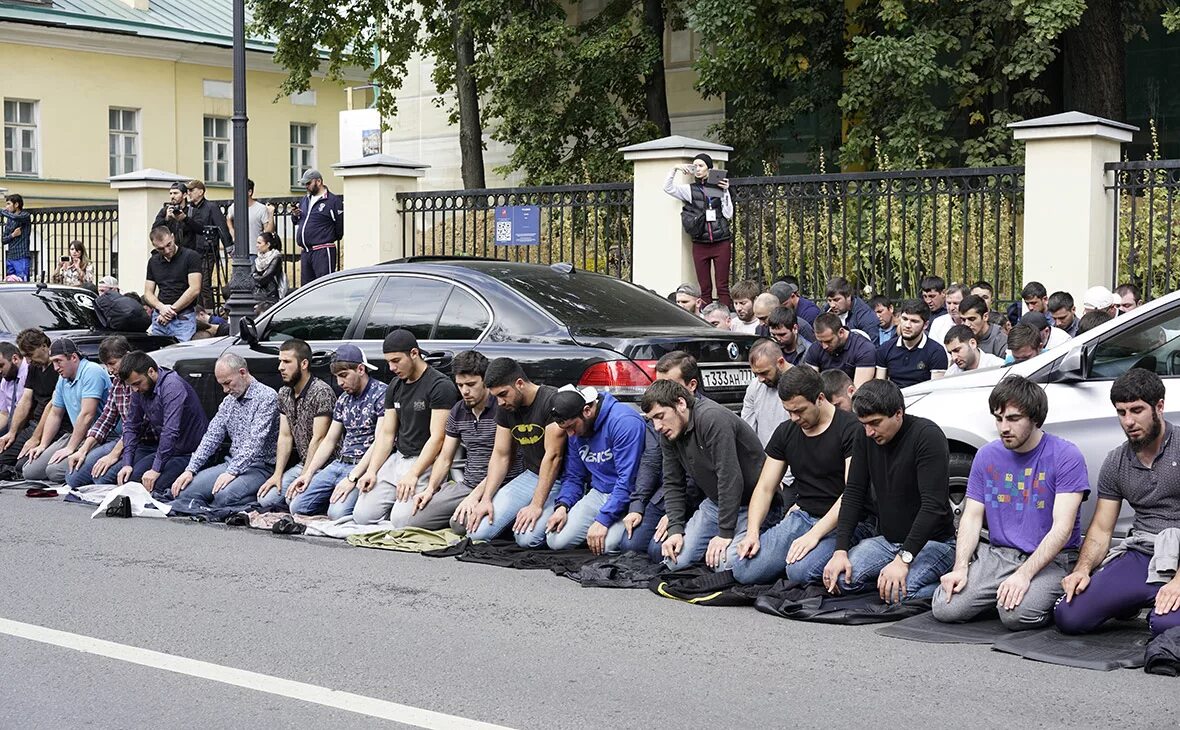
(1076, 376)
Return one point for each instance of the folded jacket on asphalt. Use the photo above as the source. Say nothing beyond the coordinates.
(629, 570)
(1163, 654)
(1118, 645)
(507, 554)
(340, 528)
(700, 586)
(803, 602)
(200, 510)
(406, 540)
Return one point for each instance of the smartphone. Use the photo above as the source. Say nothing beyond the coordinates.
(65, 259)
(716, 176)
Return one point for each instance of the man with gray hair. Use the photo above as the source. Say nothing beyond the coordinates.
(718, 315)
(249, 417)
(118, 312)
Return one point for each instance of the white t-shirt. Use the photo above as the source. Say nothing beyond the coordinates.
(986, 360)
(736, 325)
(259, 217)
(939, 327)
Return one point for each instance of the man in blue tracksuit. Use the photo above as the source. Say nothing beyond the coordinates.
(605, 446)
(319, 220)
(15, 229)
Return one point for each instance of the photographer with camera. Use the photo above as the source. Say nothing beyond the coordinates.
(212, 235)
(175, 215)
(705, 217)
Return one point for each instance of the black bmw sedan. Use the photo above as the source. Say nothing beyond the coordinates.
(563, 325)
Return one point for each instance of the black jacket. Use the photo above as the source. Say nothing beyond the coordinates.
(185, 230)
(120, 313)
(266, 282)
(211, 230)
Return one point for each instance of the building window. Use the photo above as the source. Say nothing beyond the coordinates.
(20, 137)
(124, 141)
(217, 163)
(681, 48)
(302, 151)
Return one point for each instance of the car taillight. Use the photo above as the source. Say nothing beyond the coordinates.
(620, 377)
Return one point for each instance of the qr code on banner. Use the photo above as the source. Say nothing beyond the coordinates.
(503, 230)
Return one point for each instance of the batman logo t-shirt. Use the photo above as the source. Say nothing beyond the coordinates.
(528, 427)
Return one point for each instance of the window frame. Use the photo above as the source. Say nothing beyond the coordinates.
(119, 162)
(293, 147)
(310, 290)
(17, 150)
(360, 325)
(225, 143)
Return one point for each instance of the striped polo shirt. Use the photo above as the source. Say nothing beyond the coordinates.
(478, 436)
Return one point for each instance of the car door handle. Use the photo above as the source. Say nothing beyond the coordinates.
(440, 359)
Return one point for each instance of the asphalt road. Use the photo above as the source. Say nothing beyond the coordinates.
(521, 649)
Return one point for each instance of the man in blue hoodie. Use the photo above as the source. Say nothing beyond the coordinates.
(605, 445)
(14, 234)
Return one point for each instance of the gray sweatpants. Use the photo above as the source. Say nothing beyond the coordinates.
(380, 502)
(991, 567)
(437, 514)
(41, 470)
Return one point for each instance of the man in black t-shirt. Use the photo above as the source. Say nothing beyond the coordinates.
(905, 462)
(25, 430)
(416, 406)
(172, 286)
(816, 443)
(522, 425)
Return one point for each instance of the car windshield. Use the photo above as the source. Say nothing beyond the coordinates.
(49, 309)
(583, 300)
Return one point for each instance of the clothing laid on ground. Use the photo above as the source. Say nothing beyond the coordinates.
(317, 399)
(986, 360)
(406, 539)
(722, 455)
(811, 602)
(762, 409)
(171, 275)
(528, 427)
(906, 366)
(856, 352)
(617, 571)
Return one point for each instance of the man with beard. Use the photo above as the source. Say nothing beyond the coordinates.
(305, 415)
(26, 424)
(988, 336)
(13, 370)
(471, 424)
(816, 444)
(836, 346)
(761, 407)
(744, 293)
(707, 441)
(955, 294)
(964, 352)
(417, 403)
(319, 222)
(522, 424)
(332, 471)
(1137, 573)
(174, 214)
(94, 461)
(210, 235)
(248, 419)
(1029, 485)
(934, 295)
(165, 423)
(911, 357)
(853, 312)
(785, 328)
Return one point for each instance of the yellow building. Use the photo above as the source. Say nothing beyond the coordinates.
(97, 88)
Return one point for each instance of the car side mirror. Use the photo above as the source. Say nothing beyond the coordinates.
(248, 330)
(1071, 368)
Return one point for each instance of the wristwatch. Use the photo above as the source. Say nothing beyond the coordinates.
(351, 478)
(906, 556)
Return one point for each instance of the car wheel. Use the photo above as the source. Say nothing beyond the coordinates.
(960, 470)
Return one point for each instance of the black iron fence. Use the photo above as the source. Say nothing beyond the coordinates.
(1146, 228)
(96, 227)
(589, 226)
(883, 231)
(285, 228)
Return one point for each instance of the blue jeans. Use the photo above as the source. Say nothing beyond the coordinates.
(276, 499)
(771, 561)
(642, 538)
(80, 477)
(313, 500)
(581, 516)
(182, 327)
(700, 529)
(242, 491)
(869, 558)
(512, 498)
(18, 268)
(172, 467)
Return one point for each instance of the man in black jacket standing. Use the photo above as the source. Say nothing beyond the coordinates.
(704, 440)
(905, 462)
(210, 233)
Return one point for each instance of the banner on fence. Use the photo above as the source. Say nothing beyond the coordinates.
(518, 225)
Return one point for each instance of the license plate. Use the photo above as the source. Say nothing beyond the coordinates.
(727, 377)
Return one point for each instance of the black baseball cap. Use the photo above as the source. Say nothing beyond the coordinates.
(63, 346)
(569, 402)
(400, 340)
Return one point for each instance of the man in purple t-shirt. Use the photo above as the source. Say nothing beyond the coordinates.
(1030, 485)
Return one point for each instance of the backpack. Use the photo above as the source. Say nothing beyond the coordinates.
(693, 219)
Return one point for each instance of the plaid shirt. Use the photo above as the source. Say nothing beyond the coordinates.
(114, 412)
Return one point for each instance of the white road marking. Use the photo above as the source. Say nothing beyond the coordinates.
(360, 704)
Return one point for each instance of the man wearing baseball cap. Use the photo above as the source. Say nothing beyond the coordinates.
(319, 225)
(605, 445)
(80, 394)
(1099, 298)
(328, 481)
(416, 406)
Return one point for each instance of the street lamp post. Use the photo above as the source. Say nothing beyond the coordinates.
(240, 302)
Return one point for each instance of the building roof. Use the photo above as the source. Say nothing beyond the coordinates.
(208, 22)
